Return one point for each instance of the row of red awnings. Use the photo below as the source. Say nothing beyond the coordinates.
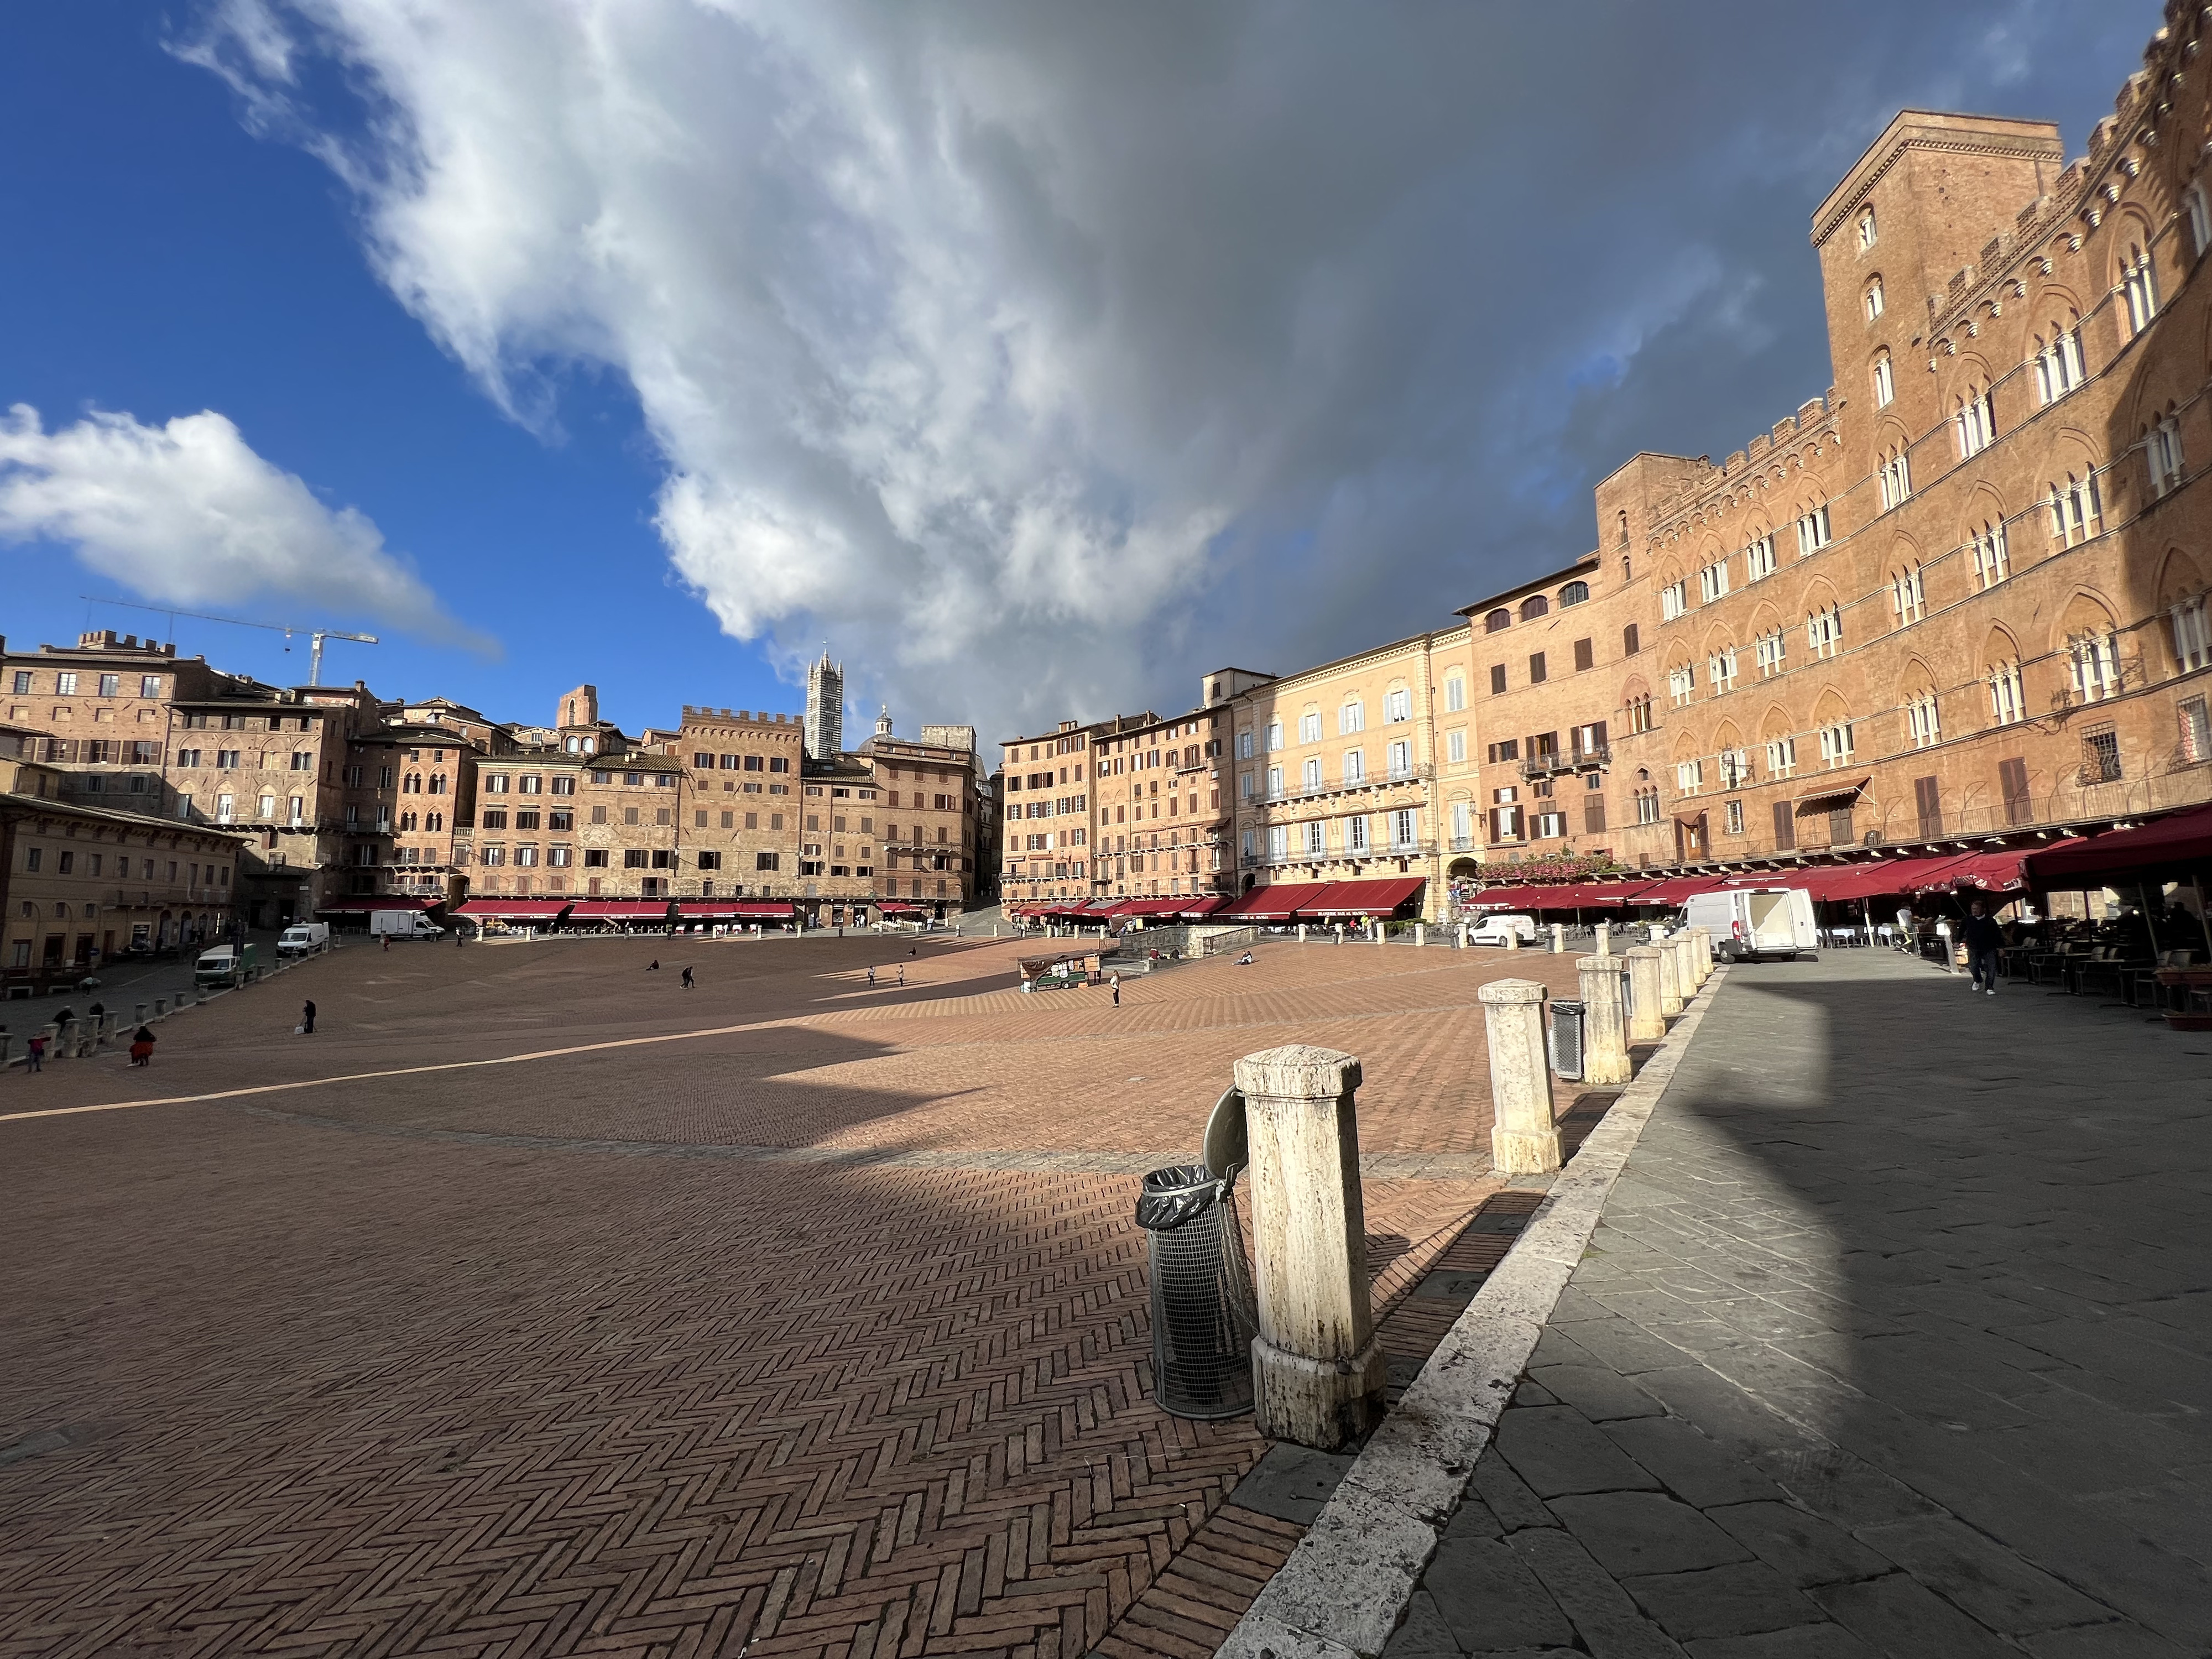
(1283, 900)
(551, 909)
(1989, 873)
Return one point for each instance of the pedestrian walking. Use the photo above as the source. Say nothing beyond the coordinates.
(1114, 985)
(902, 973)
(687, 978)
(142, 1046)
(871, 976)
(1982, 938)
(387, 941)
(307, 1018)
(36, 1051)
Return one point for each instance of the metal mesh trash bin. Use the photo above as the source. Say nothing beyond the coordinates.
(1203, 1317)
(1567, 1038)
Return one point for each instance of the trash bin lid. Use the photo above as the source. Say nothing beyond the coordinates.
(1567, 1005)
(1227, 1152)
(1171, 1196)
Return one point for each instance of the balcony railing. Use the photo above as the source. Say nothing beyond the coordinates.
(1574, 760)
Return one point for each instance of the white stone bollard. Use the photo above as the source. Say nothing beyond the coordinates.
(1302, 932)
(1463, 936)
(1523, 1139)
(1420, 933)
(1647, 1012)
(1702, 940)
(1318, 1373)
(1605, 938)
(1512, 941)
(1558, 938)
(1605, 1020)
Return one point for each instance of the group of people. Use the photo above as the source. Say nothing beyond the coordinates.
(141, 1040)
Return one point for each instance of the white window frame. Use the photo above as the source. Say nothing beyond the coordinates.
(2200, 219)
(1456, 744)
(1720, 670)
(1673, 600)
(1279, 842)
(1838, 744)
(1895, 476)
(2076, 510)
(1406, 826)
(1397, 705)
(2096, 664)
(2139, 288)
(1681, 685)
(1316, 837)
(1976, 422)
(1275, 736)
(2192, 635)
(2007, 696)
(1782, 757)
(1736, 768)
(1759, 558)
(1869, 230)
(1274, 783)
(1455, 694)
(1311, 775)
(1771, 652)
(2058, 365)
(1824, 632)
(1908, 596)
(1885, 382)
(1992, 560)
(1874, 300)
(1309, 726)
(1351, 717)
(1355, 767)
(2162, 454)
(1813, 533)
(1923, 721)
(1689, 776)
(1400, 759)
(1355, 834)
(1713, 582)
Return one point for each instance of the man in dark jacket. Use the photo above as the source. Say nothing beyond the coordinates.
(1982, 938)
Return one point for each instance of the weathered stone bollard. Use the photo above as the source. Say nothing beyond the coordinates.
(1420, 933)
(1685, 965)
(1463, 936)
(1670, 976)
(1605, 938)
(1647, 1021)
(1523, 1139)
(139, 1018)
(1302, 932)
(1605, 1020)
(1318, 1372)
(1705, 938)
(1512, 939)
(161, 1007)
(1558, 938)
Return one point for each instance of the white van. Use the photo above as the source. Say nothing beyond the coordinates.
(304, 938)
(1748, 923)
(403, 924)
(1497, 929)
(219, 966)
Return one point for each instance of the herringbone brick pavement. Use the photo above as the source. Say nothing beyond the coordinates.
(268, 1387)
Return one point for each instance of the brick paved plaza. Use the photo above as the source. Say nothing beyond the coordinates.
(782, 1313)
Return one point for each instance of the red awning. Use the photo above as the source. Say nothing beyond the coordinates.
(1674, 892)
(1570, 895)
(1992, 873)
(1276, 901)
(513, 909)
(901, 910)
(728, 910)
(355, 907)
(2179, 845)
(620, 910)
(1149, 906)
(1205, 905)
(1379, 897)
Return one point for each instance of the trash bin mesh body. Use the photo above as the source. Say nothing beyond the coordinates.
(1203, 1313)
(1567, 1038)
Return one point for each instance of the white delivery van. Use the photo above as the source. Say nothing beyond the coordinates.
(404, 924)
(1748, 923)
(1495, 929)
(304, 938)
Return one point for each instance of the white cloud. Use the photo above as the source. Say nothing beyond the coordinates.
(1016, 346)
(187, 514)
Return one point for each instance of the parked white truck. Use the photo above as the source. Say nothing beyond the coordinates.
(403, 924)
(1495, 929)
(304, 938)
(1748, 923)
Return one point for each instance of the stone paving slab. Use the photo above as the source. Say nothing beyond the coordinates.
(1891, 1341)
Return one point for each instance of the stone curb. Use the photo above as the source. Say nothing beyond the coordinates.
(1347, 1583)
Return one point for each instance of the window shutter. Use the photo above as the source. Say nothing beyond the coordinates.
(1630, 644)
(1785, 827)
(2012, 779)
(1585, 655)
(1599, 729)
(1926, 797)
(1594, 815)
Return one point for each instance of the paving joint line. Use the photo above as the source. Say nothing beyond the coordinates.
(1347, 1583)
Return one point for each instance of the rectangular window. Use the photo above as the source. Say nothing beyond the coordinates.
(2162, 451)
(1907, 596)
(1455, 745)
(1681, 681)
(1355, 834)
(2058, 365)
(1355, 767)
(1782, 757)
(1713, 582)
(1309, 726)
(1895, 476)
(1824, 632)
(1647, 807)
(1631, 640)
(2007, 698)
(1585, 655)
(1405, 824)
(1535, 668)
(1923, 721)
(1836, 744)
(1673, 600)
(1496, 679)
(1455, 694)
(22, 682)
(2096, 660)
(1928, 806)
(1594, 815)
(111, 685)
(1975, 424)
(65, 685)
(595, 858)
(1402, 760)
(1312, 775)
(1769, 649)
(1274, 783)
(1785, 828)
(1689, 776)
(1398, 705)
(1736, 768)
(2012, 784)
(768, 861)
(2100, 755)
(2196, 732)
(1759, 559)
(1720, 670)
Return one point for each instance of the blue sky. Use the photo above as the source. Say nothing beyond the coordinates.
(1038, 358)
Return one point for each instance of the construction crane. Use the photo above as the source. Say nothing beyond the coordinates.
(315, 635)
